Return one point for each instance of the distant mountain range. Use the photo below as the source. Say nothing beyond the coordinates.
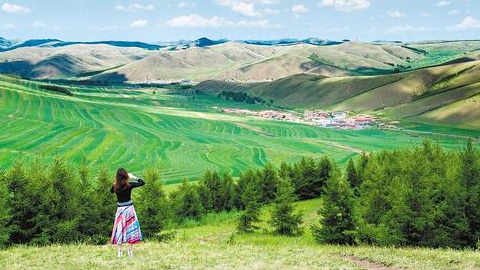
(206, 59)
(7, 45)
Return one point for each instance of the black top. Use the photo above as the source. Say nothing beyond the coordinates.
(125, 194)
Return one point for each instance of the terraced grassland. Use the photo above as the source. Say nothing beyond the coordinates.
(214, 245)
(135, 128)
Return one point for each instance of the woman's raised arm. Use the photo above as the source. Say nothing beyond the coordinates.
(138, 183)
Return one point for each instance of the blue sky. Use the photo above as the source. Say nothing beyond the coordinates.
(168, 20)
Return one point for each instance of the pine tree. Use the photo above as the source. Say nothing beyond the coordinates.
(205, 196)
(285, 170)
(360, 166)
(469, 178)
(19, 201)
(214, 185)
(186, 202)
(104, 198)
(245, 178)
(152, 204)
(352, 177)
(303, 175)
(268, 182)
(65, 202)
(5, 212)
(228, 192)
(100, 206)
(325, 170)
(86, 203)
(309, 177)
(40, 191)
(284, 220)
(337, 221)
(247, 220)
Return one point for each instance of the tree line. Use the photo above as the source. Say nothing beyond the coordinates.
(417, 196)
(44, 202)
(240, 97)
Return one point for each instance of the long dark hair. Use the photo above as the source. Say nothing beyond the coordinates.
(121, 180)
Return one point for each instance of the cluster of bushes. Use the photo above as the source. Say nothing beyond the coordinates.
(42, 204)
(215, 193)
(240, 97)
(420, 196)
(57, 89)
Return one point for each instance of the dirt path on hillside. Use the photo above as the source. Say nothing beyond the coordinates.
(254, 129)
(342, 146)
(366, 264)
(409, 131)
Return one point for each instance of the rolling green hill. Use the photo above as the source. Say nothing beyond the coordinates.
(132, 127)
(414, 95)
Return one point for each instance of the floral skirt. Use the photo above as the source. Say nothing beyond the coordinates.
(126, 228)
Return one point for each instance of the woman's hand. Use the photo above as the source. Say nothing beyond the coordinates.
(131, 176)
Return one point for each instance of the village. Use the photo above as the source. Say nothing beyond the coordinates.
(320, 118)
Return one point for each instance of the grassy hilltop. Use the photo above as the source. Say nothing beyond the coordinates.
(230, 60)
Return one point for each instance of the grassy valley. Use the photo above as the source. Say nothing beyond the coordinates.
(126, 126)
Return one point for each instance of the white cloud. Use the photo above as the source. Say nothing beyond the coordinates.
(467, 23)
(453, 12)
(396, 14)
(299, 9)
(249, 7)
(15, 9)
(37, 24)
(443, 4)
(245, 8)
(253, 24)
(187, 5)
(135, 7)
(346, 5)
(193, 21)
(139, 24)
(425, 15)
(197, 21)
(408, 28)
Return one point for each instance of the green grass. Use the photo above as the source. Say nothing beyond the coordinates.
(134, 128)
(441, 52)
(213, 244)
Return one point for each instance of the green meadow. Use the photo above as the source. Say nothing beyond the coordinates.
(182, 134)
(213, 244)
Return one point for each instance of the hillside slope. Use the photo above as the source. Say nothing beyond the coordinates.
(212, 244)
(222, 60)
(67, 61)
(236, 61)
(429, 94)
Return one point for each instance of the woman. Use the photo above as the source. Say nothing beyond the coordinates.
(126, 228)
